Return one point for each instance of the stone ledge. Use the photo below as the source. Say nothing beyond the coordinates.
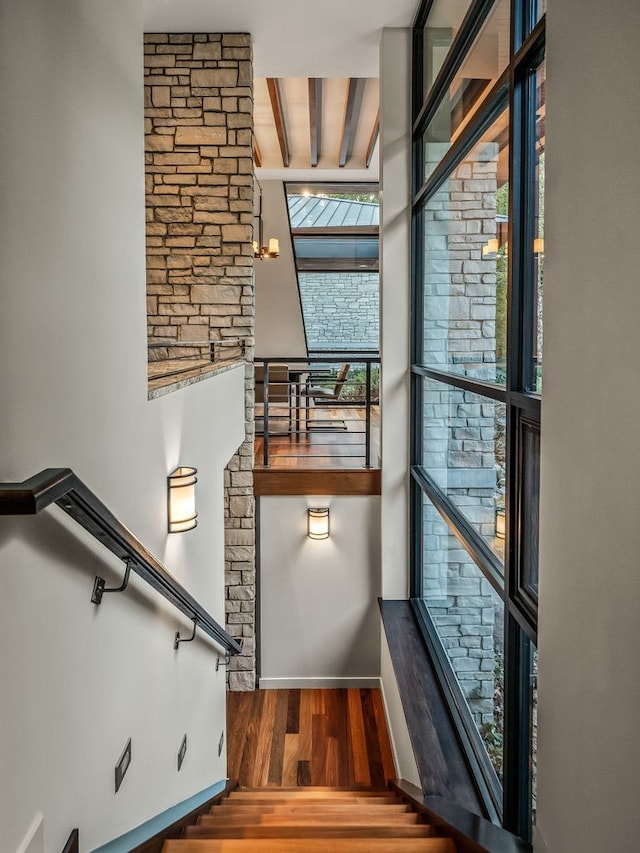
(167, 385)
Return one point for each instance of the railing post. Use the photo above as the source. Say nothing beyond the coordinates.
(367, 431)
(265, 415)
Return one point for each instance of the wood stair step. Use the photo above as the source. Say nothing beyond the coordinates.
(310, 819)
(245, 793)
(330, 789)
(309, 845)
(362, 807)
(265, 798)
(422, 830)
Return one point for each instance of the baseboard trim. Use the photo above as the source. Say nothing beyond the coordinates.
(151, 835)
(318, 683)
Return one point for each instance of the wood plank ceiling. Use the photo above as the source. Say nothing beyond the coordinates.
(313, 122)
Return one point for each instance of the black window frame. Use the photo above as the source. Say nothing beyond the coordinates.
(515, 88)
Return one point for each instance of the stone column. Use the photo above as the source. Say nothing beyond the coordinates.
(199, 191)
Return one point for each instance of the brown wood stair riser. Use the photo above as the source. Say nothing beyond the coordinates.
(365, 831)
(311, 845)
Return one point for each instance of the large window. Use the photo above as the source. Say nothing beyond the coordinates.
(478, 232)
(334, 229)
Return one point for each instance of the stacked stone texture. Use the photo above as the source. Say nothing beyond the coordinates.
(460, 447)
(199, 195)
(460, 306)
(341, 309)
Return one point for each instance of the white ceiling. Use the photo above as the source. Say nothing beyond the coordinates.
(295, 39)
(292, 38)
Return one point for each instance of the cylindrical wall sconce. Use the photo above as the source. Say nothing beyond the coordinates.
(318, 522)
(501, 523)
(181, 499)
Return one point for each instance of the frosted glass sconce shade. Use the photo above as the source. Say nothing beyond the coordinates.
(318, 522)
(181, 500)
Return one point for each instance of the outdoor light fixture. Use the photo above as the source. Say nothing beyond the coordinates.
(318, 522)
(490, 248)
(501, 522)
(538, 246)
(181, 499)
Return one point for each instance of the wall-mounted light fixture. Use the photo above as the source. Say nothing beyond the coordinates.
(260, 250)
(501, 522)
(490, 248)
(538, 246)
(181, 499)
(318, 522)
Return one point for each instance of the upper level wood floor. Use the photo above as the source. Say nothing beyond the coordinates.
(327, 457)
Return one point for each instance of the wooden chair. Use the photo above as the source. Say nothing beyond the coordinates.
(322, 393)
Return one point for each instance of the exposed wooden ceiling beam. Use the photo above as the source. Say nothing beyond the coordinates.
(375, 133)
(315, 117)
(273, 85)
(351, 118)
(257, 154)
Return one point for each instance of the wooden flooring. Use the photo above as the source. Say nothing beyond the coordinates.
(336, 441)
(308, 738)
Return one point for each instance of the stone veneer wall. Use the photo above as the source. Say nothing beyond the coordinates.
(341, 309)
(464, 442)
(199, 191)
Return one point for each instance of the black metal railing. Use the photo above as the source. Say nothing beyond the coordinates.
(320, 407)
(62, 487)
(169, 358)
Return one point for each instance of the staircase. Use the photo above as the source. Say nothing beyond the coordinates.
(311, 820)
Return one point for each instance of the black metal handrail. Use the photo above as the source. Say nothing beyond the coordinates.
(64, 488)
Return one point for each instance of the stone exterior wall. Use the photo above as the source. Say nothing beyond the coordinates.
(341, 309)
(460, 322)
(463, 448)
(468, 616)
(199, 191)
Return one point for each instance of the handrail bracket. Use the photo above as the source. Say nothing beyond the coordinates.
(99, 585)
(178, 639)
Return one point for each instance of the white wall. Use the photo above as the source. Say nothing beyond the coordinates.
(395, 218)
(320, 624)
(77, 680)
(589, 641)
(279, 328)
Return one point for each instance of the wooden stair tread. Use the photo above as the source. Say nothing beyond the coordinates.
(296, 789)
(361, 807)
(263, 799)
(309, 819)
(329, 793)
(309, 845)
(416, 830)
